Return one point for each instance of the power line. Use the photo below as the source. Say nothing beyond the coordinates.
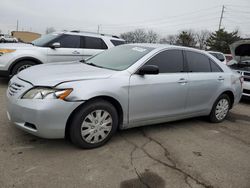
(221, 17)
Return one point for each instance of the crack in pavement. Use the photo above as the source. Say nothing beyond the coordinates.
(173, 166)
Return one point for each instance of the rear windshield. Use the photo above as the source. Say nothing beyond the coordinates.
(120, 57)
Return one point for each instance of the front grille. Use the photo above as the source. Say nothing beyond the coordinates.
(14, 88)
(247, 79)
(246, 73)
(246, 91)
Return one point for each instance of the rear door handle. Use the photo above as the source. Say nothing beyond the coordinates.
(221, 78)
(182, 81)
(75, 52)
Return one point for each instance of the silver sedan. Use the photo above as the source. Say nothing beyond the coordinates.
(127, 86)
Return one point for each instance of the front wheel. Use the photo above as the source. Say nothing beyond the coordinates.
(220, 109)
(93, 124)
(21, 66)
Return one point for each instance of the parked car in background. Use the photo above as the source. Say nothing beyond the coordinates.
(220, 56)
(7, 38)
(126, 86)
(241, 62)
(229, 57)
(54, 47)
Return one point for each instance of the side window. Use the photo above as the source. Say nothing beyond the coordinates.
(69, 41)
(117, 42)
(169, 61)
(198, 62)
(94, 43)
(215, 67)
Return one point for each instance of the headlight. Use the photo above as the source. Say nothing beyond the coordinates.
(47, 93)
(5, 51)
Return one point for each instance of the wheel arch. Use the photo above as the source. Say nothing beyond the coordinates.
(37, 61)
(230, 94)
(111, 100)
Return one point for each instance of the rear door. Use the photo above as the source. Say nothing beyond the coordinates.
(205, 81)
(162, 95)
(70, 49)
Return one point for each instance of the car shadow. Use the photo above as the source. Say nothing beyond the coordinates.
(4, 81)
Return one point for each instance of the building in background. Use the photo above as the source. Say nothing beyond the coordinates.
(25, 36)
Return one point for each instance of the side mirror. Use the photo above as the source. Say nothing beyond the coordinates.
(56, 45)
(148, 69)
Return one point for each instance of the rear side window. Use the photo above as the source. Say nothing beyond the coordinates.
(93, 43)
(198, 62)
(220, 57)
(69, 41)
(169, 61)
(215, 67)
(117, 42)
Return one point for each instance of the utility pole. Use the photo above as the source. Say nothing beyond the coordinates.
(98, 28)
(221, 16)
(17, 25)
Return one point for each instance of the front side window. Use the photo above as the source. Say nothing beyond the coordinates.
(198, 62)
(69, 41)
(169, 61)
(93, 43)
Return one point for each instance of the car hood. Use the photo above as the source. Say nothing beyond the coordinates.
(55, 73)
(240, 50)
(17, 46)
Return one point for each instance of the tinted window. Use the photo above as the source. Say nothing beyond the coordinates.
(69, 41)
(197, 62)
(94, 43)
(220, 57)
(215, 67)
(168, 61)
(117, 42)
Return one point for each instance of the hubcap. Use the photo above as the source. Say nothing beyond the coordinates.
(23, 67)
(96, 126)
(222, 109)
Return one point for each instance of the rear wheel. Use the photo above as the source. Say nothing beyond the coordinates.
(220, 109)
(21, 66)
(94, 124)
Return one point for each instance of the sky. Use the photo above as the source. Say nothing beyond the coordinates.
(118, 16)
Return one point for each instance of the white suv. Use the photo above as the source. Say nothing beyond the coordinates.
(54, 47)
(7, 38)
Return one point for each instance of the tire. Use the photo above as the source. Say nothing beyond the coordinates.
(21, 66)
(88, 134)
(220, 109)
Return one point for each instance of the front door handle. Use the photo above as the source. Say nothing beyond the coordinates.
(75, 52)
(182, 81)
(221, 78)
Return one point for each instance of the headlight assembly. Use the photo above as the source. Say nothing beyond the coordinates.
(47, 93)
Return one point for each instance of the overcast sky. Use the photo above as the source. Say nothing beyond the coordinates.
(117, 16)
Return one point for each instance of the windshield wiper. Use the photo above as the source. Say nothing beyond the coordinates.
(92, 64)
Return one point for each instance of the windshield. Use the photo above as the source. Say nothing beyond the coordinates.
(120, 57)
(43, 40)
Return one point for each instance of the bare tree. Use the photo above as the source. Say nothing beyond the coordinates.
(170, 39)
(50, 30)
(201, 38)
(152, 37)
(140, 36)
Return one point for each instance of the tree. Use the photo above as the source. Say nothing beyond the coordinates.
(50, 30)
(170, 39)
(186, 38)
(140, 36)
(152, 37)
(221, 39)
(201, 38)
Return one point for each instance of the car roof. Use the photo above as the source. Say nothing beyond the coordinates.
(91, 34)
(166, 46)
